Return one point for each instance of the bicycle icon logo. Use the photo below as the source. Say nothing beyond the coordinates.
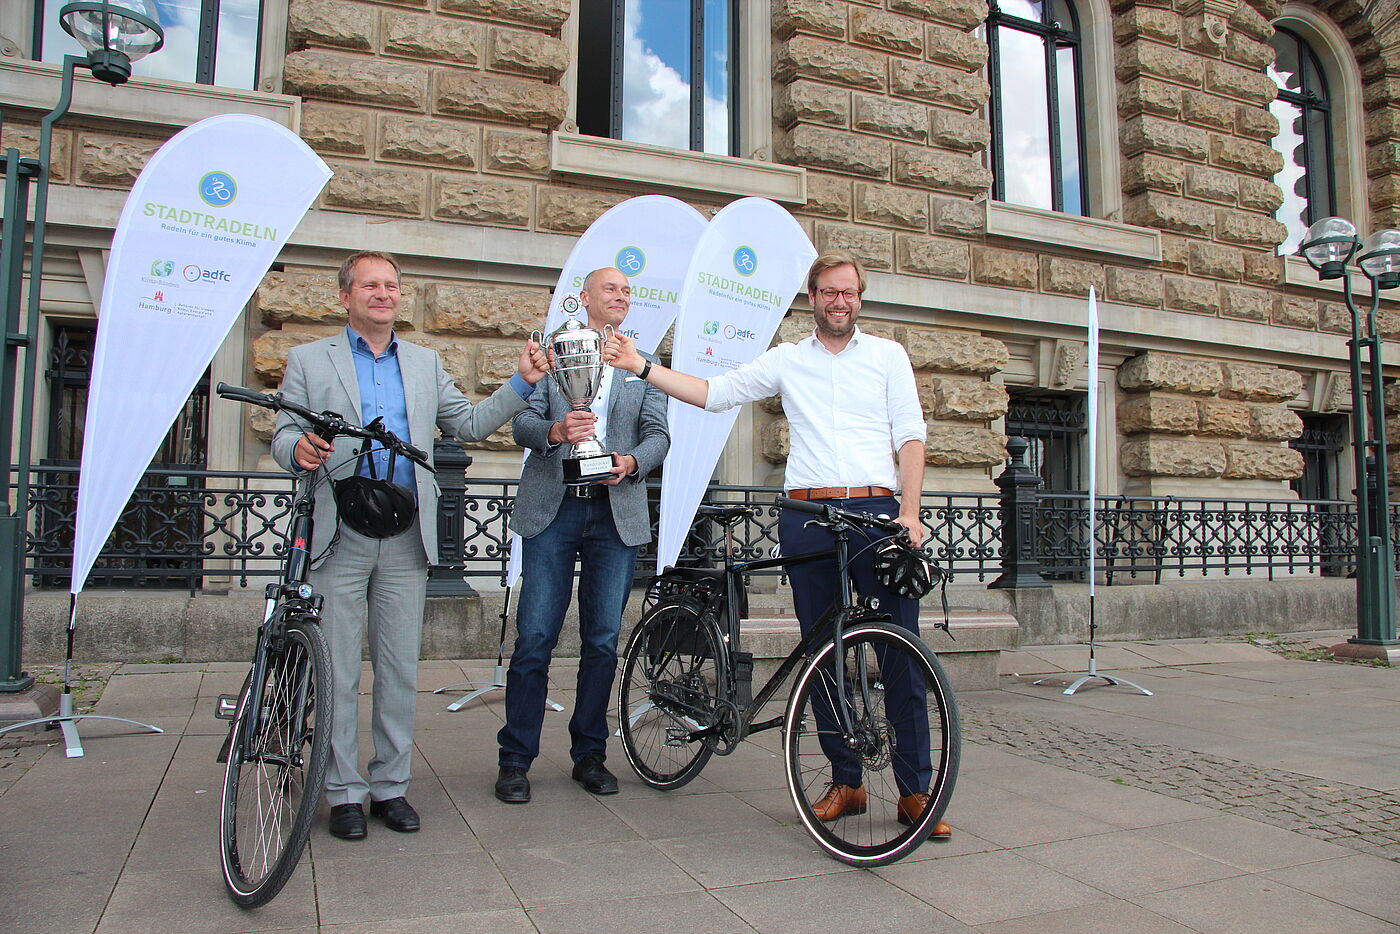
(745, 261)
(631, 261)
(218, 189)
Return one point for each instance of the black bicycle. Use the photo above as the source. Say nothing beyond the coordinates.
(686, 694)
(279, 742)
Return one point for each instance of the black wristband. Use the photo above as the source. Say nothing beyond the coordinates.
(646, 368)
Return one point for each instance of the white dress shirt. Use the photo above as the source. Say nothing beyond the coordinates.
(848, 413)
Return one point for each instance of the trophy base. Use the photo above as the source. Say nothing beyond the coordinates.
(579, 471)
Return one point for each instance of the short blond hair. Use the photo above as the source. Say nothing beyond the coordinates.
(830, 260)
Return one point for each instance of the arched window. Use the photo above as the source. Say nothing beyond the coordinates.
(1037, 105)
(1304, 111)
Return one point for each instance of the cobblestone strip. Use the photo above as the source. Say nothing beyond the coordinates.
(20, 749)
(1360, 818)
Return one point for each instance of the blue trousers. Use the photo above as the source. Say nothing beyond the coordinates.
(583, 530)
(815, 586)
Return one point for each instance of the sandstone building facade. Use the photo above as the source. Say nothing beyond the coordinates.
(1141, 149)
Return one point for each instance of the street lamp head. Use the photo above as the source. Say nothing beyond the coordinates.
(1328, 246)
(1380, 258)
(114, 32)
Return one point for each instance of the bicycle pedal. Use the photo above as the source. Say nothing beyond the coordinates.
(226, 706)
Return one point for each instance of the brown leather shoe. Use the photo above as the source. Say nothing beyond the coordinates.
(839, 801)
(911, 808)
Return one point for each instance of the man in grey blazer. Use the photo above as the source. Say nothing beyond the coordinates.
(601, 525)
(362, 373)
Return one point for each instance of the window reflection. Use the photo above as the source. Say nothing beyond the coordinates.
(235, 57)
(1304, 138)
(658, 100)
(1037, 105)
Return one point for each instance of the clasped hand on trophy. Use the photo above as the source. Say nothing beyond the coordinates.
(533, 366)
(621, 351)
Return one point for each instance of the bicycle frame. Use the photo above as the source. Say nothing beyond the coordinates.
(830, 627)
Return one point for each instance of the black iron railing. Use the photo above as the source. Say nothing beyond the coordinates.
(213, 529)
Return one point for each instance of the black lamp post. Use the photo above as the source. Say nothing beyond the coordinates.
(114, 33)
(1328, 246)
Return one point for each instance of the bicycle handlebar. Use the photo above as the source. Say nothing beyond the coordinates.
(326, 424)
(834, 514)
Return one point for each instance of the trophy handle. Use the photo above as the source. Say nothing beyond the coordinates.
(538, 338)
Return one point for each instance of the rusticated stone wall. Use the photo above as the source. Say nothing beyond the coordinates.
(478, 329)
(951, 370)
(1189, 417)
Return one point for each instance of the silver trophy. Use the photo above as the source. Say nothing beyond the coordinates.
(577, 369)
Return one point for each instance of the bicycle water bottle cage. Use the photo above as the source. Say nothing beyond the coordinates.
(373, 507)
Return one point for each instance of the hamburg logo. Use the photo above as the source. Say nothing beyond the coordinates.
(745, 261)
(630, 261)
(218, 189)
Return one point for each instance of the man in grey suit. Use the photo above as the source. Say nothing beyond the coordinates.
(601, 525)
(365, 372)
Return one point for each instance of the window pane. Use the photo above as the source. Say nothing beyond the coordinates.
(717, 76)
(1291, 180)
(177, 59)
(1025, 125)
(1026, 9)
(236, 61)
(1286, 70)
(656, 73)
(1070, 182)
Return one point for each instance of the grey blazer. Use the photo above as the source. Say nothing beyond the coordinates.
(636, 426)
(321, 376)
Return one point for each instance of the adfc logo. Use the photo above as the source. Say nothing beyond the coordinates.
(218, 189)
(711, 327)
(745, 261)
(162, 268)
(630, 261)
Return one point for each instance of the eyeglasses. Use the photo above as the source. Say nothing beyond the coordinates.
(850, 295)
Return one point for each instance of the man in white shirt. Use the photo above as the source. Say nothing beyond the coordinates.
(857, 432)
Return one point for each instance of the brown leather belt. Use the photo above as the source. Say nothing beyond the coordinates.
(840, 492)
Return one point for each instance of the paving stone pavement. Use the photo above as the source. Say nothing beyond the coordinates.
(1252, 793)
(1360, 818)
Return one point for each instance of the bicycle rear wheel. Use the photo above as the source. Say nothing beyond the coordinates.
(671, 677)
(276, 766)
(886, 754)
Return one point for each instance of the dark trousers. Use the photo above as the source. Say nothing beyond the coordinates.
(815, 586)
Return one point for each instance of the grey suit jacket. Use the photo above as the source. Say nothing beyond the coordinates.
(636, 426)
(321, 376)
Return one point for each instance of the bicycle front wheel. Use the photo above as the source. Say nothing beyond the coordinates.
(276, 766)
(671, 677)
(905, 741)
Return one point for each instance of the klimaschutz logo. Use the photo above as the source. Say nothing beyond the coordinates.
(711, 328)
(162, 268)
(745, 261)
(218, 189)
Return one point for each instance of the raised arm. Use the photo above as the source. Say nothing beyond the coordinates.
(621, 352)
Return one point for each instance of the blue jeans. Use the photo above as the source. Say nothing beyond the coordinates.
(583, 529)
(814, 588)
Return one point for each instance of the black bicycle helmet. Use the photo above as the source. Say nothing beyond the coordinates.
(373, 507)
(904, 569)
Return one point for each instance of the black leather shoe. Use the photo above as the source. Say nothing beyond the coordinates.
(348, 822)
(594, 776)
(513, 785)
(396, 813)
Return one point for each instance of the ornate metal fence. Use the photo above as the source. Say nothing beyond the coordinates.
(215, 529)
